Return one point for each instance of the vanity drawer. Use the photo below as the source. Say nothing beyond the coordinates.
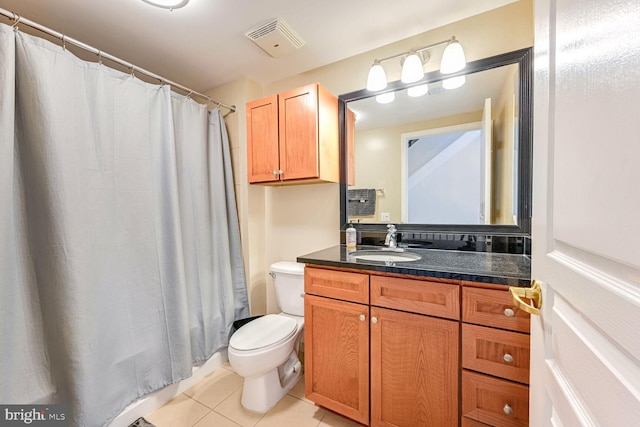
(495, 308)
(416, 296)
(342, 285)
(500, 353)
(493, 401)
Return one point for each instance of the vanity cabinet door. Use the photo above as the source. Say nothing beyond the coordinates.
(336, 356)
(414, 369)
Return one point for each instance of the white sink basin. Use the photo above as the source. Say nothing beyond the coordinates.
(385, 256)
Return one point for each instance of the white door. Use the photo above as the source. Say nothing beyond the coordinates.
(585, 368)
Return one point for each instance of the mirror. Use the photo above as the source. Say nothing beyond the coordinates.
(453, 159)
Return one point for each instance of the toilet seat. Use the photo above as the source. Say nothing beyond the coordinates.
(263, 332)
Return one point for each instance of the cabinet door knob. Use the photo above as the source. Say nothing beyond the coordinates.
(275, 172)
(507, 409)
(374, 320)
(280, 172)
(508, 312)
(508, 358)
(362, 317)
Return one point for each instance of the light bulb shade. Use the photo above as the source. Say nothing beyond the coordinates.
(167, 4)
(412, 69)
(377, 79)
(453, 82)
(385, 98)
(419, 90)
(453, 58)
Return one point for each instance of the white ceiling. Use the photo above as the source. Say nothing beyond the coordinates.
(203, 45)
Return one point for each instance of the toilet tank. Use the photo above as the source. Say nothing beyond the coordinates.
(288, 281)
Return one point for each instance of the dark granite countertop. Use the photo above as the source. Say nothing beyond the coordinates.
(486, 267)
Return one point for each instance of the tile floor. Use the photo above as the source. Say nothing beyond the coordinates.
(215, 402)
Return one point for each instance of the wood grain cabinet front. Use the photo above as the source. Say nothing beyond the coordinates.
(336, 356)
(495, 359)
(293, 137)
(414, 370)
(371, 331)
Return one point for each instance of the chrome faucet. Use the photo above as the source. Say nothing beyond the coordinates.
(391, 240)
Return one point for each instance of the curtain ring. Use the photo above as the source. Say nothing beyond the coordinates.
(16, 18)
(100, 57)
(64, 42)
(133, 69)
(189, 95)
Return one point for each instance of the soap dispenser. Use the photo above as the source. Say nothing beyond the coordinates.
(351, 237)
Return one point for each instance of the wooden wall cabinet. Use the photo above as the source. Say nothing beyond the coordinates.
(293, 137)
(384, 357)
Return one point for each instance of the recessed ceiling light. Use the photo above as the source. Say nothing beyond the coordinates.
(167, 4)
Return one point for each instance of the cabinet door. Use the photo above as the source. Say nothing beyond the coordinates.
(262, 140)
(298, 119)
(336, 356)
(414, 376)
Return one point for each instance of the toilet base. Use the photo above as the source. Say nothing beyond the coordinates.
(262, 393)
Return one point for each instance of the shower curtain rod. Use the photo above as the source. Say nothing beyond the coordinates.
(102, 55)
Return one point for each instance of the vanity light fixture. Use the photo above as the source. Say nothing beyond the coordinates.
(412, 67)
(168, 4)
(377, 79)
(453, 60)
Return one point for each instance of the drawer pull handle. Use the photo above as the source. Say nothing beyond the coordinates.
(508, 358)
(374, 320)
(507, 409)
(508, 312)
(362, 317)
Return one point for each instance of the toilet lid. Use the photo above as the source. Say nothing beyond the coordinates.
(262, 332)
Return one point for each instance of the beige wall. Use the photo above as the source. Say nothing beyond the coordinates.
(281, 223)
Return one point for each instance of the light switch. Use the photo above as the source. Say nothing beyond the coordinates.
(385, 216)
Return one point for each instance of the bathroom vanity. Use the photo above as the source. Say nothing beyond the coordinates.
(435, 341)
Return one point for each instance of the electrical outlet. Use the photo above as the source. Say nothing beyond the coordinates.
(385, 216)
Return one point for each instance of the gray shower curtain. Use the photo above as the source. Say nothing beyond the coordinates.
(120, 260)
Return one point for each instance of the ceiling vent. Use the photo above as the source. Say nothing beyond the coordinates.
(276, 38)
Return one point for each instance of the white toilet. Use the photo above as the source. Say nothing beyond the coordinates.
(265, 350)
